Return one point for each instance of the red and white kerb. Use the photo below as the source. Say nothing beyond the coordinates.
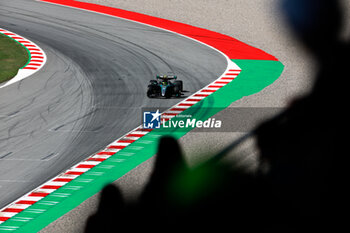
(42, 191)
(37, 57)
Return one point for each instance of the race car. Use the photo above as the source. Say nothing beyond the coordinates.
(163, 87)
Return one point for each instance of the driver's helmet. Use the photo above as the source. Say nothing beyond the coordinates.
(165, 80)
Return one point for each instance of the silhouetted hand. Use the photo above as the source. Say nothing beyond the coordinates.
(177, 197)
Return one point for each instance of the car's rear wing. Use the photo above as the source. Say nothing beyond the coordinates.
(168, 77)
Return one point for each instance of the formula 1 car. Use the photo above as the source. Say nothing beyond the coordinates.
(163, 87)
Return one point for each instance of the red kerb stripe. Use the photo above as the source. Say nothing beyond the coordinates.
(106, 153)
(74, 173)
(85, 166)
(116, 147)
(12, 210)
(126, 140)
(214, 86)
(183, 104)
(38, 194)
(24, 202)
(135, 135)
(179, 109)
(62, 180)
(23, 41)
(201, 95)
(3, 219)
(38, 57)
(50, 187)
(96, 159)
(206, 90)
(194, 100)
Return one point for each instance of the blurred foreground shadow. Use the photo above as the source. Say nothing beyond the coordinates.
(303, 170)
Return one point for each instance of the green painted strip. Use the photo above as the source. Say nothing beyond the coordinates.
(255, 76)
(29, 57)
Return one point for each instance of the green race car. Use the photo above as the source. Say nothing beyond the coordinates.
(163, 87)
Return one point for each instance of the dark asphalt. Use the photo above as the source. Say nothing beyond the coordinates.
(91, 90)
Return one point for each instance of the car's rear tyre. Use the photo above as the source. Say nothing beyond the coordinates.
(179, 84)
(177, 91)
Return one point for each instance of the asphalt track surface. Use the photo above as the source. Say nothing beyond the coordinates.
(91, 90)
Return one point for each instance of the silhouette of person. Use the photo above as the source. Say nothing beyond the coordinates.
(209, 196)
(305, 146)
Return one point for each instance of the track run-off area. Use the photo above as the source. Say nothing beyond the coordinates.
(90, 93)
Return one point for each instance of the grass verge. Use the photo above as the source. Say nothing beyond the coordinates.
(13, 56)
